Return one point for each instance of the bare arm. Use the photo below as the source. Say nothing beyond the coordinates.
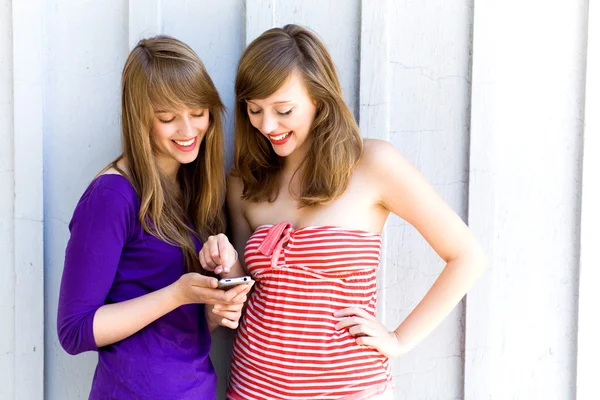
(115, 322)
(407, 194)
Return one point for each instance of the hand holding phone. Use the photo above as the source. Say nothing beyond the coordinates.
(227, 283)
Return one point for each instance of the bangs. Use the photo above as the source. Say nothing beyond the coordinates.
(175, 83)
(265, 68)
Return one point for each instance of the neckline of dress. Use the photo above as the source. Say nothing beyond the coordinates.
(323, 227)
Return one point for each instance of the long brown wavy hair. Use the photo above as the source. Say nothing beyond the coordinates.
(336, 144)
(164, 72)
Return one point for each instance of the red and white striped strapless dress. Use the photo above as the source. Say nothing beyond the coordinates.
(287, 346)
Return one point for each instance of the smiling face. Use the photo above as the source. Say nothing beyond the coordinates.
(285, 117)
(177, 135)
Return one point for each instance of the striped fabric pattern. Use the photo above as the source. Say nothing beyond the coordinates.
(287, 346)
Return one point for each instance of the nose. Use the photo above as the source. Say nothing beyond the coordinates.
(268, 124)
(186, 129)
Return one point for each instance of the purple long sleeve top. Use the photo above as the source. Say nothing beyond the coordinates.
(110, 259)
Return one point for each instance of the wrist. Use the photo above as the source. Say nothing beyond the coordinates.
(173, 294)
(210, 318)
(402, 345)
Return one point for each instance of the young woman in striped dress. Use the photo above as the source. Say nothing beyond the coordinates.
(308, 199)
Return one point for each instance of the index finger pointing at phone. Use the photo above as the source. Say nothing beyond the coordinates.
(227, 254)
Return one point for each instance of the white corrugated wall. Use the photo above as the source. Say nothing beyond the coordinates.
(488, 100)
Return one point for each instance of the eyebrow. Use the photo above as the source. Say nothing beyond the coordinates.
(277, 102)
(161, 112)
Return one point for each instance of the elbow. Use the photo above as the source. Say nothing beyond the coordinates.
(69, 341)
(70, 349)
(71, 335)
(472, 260)
(478, 260)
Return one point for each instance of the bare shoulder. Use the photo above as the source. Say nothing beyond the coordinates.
(391, 175)
(380, 156)
(375, 147)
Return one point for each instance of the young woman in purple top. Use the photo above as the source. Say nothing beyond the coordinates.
(130, 286)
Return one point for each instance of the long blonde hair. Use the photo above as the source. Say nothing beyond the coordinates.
(336, 144)
(163, 71)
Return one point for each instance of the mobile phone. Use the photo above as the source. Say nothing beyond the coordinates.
(227, 283)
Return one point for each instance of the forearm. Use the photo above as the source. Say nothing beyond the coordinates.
(456, 279)
(115, 322)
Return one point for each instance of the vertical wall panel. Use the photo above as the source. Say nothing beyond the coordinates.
(430, 83)
(85, 48)
(374, 110)
(527, 113)
(7, 187)
(28, 206)
(260, 16)
(375, 69)
(588, 346)
(145, 20)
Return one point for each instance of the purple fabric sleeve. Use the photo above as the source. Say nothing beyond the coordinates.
(99, 230)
